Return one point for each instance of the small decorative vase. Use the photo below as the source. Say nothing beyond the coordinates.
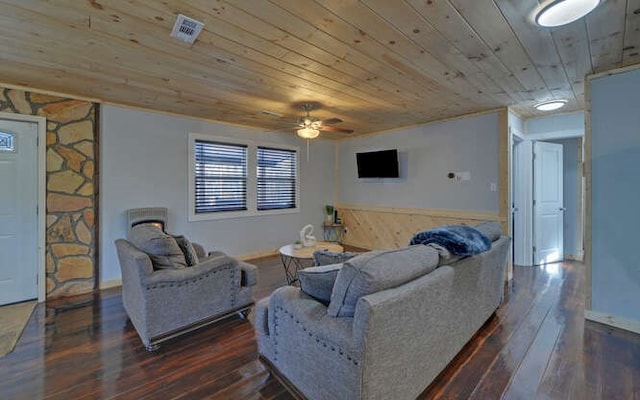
(328, 220)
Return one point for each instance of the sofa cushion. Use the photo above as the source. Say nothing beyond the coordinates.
(318, 282)
(163, 250)
(326, 257)
(375, 271)
(490, 229)
(190, 254)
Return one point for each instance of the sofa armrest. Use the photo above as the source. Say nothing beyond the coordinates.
(262, 316)
(409, 325)
(200, 251)
(249, 274)
(134, 264)
(198, 271)
(309, 314)
(312, 350)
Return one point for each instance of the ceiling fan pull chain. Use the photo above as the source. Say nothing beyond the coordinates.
(307, 150)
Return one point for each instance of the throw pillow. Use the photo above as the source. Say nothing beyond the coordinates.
(318, 282)
(375, 271)
(161, 247)
(490, 229)
(326, 257)
(188, 250)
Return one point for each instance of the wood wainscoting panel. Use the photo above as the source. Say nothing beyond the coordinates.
(374, 227)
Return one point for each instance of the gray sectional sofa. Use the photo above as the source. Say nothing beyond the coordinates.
(422, 307)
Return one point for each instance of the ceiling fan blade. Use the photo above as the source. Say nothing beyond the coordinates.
(335, 129)
(292, 127)
(331, 121)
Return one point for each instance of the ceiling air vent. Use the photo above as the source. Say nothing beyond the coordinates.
(186, 29)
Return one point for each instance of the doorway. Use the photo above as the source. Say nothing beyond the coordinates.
(22, 208)
(568, 210)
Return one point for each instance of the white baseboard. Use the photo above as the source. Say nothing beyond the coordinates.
(573, 257)
(110, 284)
(612, 320)
(261, 254)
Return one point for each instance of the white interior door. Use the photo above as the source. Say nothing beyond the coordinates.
(523, 203)
(18, 211)
(548, 205)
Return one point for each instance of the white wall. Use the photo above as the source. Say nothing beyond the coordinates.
(516, 123)
(427, 153)
(559, 126)
(615, 219)
(144, 162)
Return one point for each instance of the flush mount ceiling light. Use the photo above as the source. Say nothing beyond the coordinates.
(550, 105)
(562, 12)
(308, 133)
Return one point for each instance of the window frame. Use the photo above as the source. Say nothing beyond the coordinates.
(273, 179)
(252, 178)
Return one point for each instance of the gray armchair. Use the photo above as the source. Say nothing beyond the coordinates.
(168, 302)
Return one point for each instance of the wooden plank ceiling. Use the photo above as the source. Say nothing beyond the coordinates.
(376, 64)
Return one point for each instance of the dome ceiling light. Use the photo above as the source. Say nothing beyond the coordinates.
(308, 133)
(562, 12)
(550, 105)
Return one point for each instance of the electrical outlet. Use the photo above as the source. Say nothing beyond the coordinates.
(493, 187)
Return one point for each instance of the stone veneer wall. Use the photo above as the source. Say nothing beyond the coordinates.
(71, 193)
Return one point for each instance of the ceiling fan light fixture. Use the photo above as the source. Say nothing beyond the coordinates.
(308, 133)
(550, 105)
(562, 12)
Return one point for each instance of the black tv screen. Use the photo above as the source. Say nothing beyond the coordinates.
(378, 164)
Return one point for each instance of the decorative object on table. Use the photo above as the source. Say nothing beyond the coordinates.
(333, 232)
(306, 236)
(297, 245)
(329, 210)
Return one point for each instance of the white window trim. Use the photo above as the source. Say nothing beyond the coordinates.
(252, 164)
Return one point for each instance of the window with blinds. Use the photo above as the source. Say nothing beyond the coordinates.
(276, 179)
(220, 177)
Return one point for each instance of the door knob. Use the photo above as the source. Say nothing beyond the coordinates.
(562, 208)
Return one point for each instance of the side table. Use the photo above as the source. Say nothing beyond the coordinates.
(333, 232)
(295, 259)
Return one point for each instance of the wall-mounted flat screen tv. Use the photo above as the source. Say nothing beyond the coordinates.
(378, 164)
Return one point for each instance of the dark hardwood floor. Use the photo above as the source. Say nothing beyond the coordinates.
(537, 346)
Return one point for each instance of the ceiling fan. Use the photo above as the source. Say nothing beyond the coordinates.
(309, 127)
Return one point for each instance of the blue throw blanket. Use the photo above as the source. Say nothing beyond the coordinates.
(460, 240)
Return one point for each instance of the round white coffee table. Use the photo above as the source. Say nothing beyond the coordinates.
(295, 259)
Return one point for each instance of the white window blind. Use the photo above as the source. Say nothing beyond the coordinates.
(220, 177)
(276, 179)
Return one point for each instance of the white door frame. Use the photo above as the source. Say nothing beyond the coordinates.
(42, 185)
